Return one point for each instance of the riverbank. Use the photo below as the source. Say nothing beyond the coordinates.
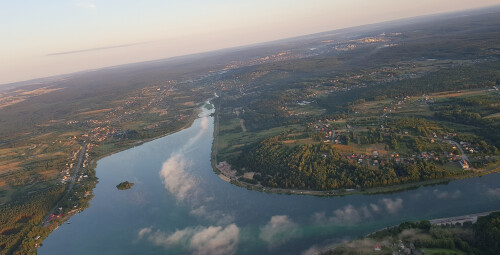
(139, 142)
(116, 218)
(413, 237)
(344, 192)
(54, 224)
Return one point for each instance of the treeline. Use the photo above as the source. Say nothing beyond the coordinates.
(487, 230)
(473, 111)
(465, 111)
(18, 220)
(321, 167)
(481, 75)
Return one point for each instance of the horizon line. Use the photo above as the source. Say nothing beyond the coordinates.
(220, 49)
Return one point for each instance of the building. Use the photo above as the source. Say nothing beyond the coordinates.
(464, 164)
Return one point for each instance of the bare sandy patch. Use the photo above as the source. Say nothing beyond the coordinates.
(96, 111)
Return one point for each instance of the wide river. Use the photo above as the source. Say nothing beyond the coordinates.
(180, 206)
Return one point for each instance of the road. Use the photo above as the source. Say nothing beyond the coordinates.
(242, 123)
(459, 219)
(70, 187)
(443, 221)
(77, 170)
(460, 148)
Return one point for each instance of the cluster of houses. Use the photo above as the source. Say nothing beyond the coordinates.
(60, 215)
(467, 147)
(99, 134)
(337, 137)
(74, 158)
(330, 134)
(375, 159)
(401, 249)
(66, 172)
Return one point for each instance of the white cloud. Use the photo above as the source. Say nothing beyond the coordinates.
(174, 171)
(86, 5)
(346, 215)
(494, 192)
(145, 231)
(187, 188)
(320, 218)
(314, 250)
(349, 215)
(175, 178)
(220, 217)
(375, 207)
(446, 194)
(199, 211)
(212, 240)
(203, 129)
(279, 230)
(392, 206)
(216, 240)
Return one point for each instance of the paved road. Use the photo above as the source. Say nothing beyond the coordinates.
(77, 170)
(73, 180)
(450, 220)
(242, 123)
(460, 148)
(459, 219)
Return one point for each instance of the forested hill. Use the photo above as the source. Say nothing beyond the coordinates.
(322, 167)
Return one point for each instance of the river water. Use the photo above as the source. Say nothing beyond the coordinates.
(179, 206)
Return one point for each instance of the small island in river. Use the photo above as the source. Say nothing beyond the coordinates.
(124, 185)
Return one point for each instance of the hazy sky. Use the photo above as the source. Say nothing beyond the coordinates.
(44, 38)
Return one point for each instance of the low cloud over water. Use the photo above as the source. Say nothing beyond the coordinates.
(279, 230)
(351, 214)
(212, 240)
(177, 180)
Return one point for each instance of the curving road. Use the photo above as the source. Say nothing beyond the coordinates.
(460, 148)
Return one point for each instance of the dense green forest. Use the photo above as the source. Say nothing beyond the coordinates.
(19, 221)
(321, 167)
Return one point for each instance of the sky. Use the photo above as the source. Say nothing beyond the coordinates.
(46, 38)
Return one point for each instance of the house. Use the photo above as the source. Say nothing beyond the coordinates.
(378, 247)
(464, 164)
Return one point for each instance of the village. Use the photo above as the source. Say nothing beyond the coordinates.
(329, 134)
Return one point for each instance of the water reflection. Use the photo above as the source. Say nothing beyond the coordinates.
(210, 240)
(179, 206)
(188, 190)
